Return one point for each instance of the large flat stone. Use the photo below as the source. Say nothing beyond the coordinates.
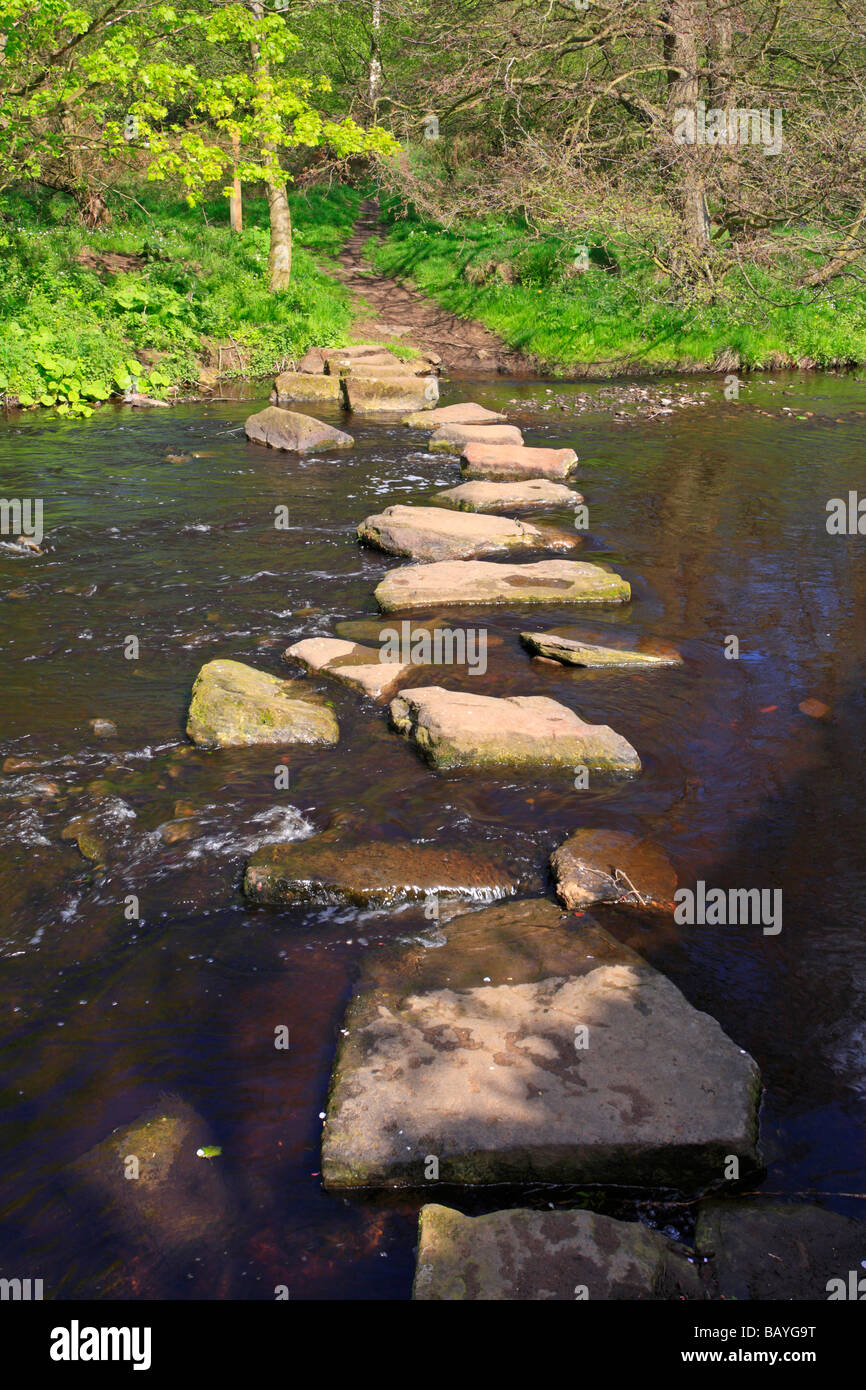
(303, 386)
(453, 438)
(295, 433)
(551, 582)
(233, 704)
(535, 493)
(572, 652)
(613, 866)
(389, 394)
(350, 663)
(523, 1255)
(337, 868)
(369, 369)
(465, 413)
(438, 533)
(482, 460)
(476, 1054)
(454, 728)
(772, 1250)
(337, 364)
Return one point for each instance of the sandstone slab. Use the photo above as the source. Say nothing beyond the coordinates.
(613, 866)
(531, 1049)
(391, 393)
(523, 1255)
(350, 663)
(534, 493)
(454, 728)
(502, 462)
(465, 413)
(572, 652)
(552, 582)
(233, 704)
(438, 533)
(299, 434)
(305, 386)
(453, 438)
(334, 868)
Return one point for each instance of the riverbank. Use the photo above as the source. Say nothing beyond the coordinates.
(166, 289)
(607, 307)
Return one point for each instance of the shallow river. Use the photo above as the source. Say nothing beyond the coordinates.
(715, 513)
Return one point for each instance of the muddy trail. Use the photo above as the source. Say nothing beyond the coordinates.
(388, 309)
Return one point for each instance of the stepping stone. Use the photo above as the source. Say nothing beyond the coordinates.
(350, 663)
(552, 582)
(397, 393)
(300, 434)
(301, 386)
(367, 369)
(454, 728)
(783, 1251)
(435, 533)
(233, 704)
(524, 1255)
(467, 413)
(354, 350)
(372, 629)
(339, 364)
(613, 866)
(573, 653)
(334, 868)
(531, 1049)
(507, 497)
(452, 439)
(496, 462)
(312, 361)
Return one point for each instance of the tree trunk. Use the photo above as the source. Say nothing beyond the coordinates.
(681, 52)
(280, 253)
(236, 205)
(375, 64)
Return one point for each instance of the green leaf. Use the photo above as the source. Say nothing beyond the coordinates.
(209, 1151)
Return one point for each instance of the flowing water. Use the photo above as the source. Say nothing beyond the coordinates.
(715, 513)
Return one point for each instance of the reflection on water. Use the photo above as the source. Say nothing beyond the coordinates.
(715, 513)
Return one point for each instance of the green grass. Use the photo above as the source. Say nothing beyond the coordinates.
(623, 313)
(197, 287)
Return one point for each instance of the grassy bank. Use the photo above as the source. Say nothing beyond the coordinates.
(166, 287)
(622, 312)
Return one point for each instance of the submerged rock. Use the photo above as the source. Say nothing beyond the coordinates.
(437, 533)
(452, 728)
(388, 394)
(493, 461)
(233, 704)
(299, 434)
(527, 1050)
(146, 1183)
(773, 1250)
(380, 629)
(574, 653)
(305, 386)
(350, 663)
(332, 868)
(523, 1255)
(507, 497)
(594, 866)
(103, 728)
(452, 438)
(552, 582)
(466, 413)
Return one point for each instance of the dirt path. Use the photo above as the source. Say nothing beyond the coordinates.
(388, 309)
